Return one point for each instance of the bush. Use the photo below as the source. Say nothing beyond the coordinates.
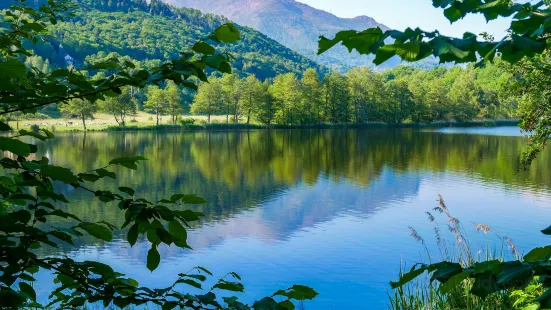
(150, 118)
(133, 121)
(187, 121)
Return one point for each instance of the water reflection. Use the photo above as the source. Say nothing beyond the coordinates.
(324, 208)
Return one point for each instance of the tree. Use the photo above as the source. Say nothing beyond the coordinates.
(286, 91)
(208, 99)
(310, 89)
(80, 108)
(121, 106)
(464, 97)
(266, 110)
(231, 96)
(156, 102)
(174, 101)
(365, 90)
(398, 102)
(336, 105)
(253, 97)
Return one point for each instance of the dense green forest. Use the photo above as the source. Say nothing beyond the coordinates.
(395, 96)
(399, 95)
(153, 32)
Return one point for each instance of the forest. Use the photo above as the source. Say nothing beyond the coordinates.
(156, 32)
(400, 95)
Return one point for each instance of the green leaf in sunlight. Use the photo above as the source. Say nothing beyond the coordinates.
(227, 33)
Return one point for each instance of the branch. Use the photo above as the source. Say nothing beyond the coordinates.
(58, 100)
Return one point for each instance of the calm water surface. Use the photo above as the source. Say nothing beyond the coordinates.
(329, 209)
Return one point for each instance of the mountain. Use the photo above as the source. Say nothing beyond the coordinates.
(154, 31)
(294, 24)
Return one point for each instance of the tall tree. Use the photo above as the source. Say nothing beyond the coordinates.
(173, 96)
(231, 96)
(310, 89)
(464, 97)
(267, 104)
(398, 102)
(252, 96)
(156, 102)
(80, 108)
(286, 91)
(121, 106)
(208, 99)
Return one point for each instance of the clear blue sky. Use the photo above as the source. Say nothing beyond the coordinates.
(399, 14)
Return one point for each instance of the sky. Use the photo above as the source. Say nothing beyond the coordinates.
(400, 14)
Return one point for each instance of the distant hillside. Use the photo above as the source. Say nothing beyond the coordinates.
(157, 31)
(294, 24)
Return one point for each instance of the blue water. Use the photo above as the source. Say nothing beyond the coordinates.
(343, 231)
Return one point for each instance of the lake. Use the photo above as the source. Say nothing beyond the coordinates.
(325, 208)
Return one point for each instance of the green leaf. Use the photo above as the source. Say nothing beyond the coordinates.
(190, 283)
(133, 233)
(515, 274)
(227, 33)
(412, 274)
(538, 254)
(485, 284)
(230, 286)
(105, 173)
(96, 230)
(127, 190)
(384, 53)
(61, 174)
(547, 231)
(453, 282)
(13, 69)
(128, 162)
(177, 230)
(168, 306)
(266, 303)
(4, 126)
(287, 304)
(203, 48)
(453, 14)
(444, 271)
(15, 146)
(153, 258)
(28, 290)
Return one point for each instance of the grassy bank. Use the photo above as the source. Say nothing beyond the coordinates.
(219, 125)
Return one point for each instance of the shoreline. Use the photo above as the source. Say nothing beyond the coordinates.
(234, 127)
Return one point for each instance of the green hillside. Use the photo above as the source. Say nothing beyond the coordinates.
(157, 31)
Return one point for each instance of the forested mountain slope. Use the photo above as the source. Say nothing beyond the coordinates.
(157, 31)
(294, 24)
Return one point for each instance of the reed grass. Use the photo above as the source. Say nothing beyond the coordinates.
(423, 294)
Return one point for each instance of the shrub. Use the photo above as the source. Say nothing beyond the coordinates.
(187, 121)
